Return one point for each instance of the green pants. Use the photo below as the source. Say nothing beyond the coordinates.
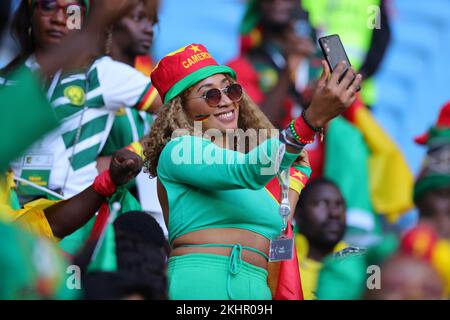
(200, 276)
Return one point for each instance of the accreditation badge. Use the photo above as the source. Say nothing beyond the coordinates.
(36, 168)
(281, 249)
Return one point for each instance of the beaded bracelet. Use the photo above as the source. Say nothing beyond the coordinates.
(299, 125)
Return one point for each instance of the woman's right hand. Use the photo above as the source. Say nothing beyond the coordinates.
(331, 98)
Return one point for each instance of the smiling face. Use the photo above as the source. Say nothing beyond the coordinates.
(224, 116)
(50, 27)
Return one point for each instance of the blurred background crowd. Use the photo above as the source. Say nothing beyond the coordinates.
(379, 195)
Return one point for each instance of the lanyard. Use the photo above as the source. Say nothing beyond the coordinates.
(285, 207)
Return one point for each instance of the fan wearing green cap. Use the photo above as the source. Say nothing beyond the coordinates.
(84, 99)
(220, 212)
(432, 188)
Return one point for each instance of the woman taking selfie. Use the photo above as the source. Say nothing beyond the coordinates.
(220, 216)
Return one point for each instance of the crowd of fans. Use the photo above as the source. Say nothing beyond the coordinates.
(78, 107)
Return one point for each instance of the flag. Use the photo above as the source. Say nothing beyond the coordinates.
(103, 230)
(380, 180)
(289, 282)
(284, 276)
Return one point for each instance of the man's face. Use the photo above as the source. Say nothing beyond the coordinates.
(435, 210)
(324, 216)
(49, 21)
(134, 33)
(277, 12)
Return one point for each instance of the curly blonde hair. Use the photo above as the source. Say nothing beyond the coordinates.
(172, 116)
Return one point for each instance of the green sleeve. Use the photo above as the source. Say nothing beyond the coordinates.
(200, 163)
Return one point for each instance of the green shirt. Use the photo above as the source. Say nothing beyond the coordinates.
(212, 187)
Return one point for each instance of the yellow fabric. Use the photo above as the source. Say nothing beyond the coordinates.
(296, 185)
(32, 218)
(391, 180)
(309, 268)
(137, 148)
(441, 261)
(6, 183)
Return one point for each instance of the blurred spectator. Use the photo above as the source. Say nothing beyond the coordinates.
(364, 28)
(269, 64)
(432, 189)
(141, 255)
(141, 247)
(404, 277)
(320, 222)
(85, 101)
(131, 39)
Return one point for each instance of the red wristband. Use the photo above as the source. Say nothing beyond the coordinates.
(104, 185)
(305, 133)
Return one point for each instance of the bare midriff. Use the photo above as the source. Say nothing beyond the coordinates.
(231, 236)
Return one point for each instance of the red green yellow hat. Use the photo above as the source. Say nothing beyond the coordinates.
(441, 131)
(183, 68)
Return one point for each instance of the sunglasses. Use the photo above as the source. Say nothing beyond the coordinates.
(214, 96)
(50, 7)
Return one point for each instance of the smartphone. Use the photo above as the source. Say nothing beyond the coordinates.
(333, 50)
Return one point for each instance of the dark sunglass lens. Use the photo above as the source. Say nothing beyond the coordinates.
(213, 97)
(48, 5)
(234, 92)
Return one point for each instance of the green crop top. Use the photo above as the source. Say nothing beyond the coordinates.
(212, 187)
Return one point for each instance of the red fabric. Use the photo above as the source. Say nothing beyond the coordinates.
(100, 222)
(178, 64)
(350, 113)
(104, 185)
(144, 64)
(443, 122)
(305, 133)
(420, 242)
(444, 117)
(289, 281)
